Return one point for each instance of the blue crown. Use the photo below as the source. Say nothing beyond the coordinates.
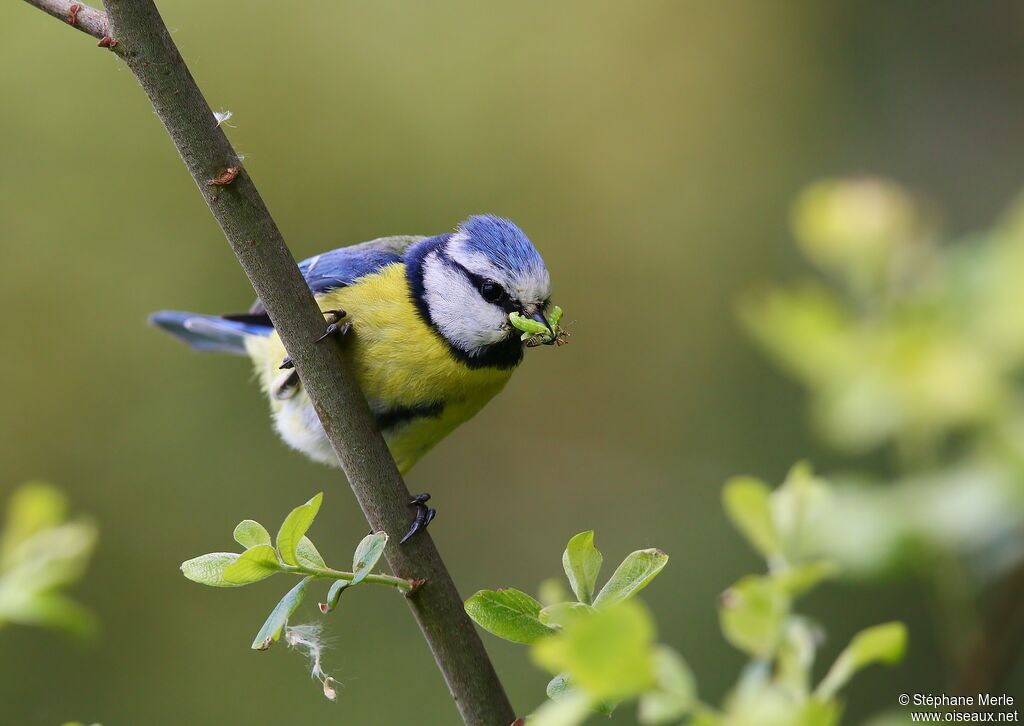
(502, 242)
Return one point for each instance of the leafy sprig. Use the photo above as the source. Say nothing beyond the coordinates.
(291, 553)
(603, 649)
(41, 553)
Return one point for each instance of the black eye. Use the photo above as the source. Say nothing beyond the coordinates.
(491, 291)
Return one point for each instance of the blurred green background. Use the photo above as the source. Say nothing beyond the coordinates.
(649, 149)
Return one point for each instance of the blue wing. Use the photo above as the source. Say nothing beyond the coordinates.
(343, 266)
(329, 271)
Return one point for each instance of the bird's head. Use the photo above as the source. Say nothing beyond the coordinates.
(471, 280)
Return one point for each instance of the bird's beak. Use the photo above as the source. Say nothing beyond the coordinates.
(538, 317)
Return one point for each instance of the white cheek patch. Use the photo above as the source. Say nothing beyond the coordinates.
(464, 318)
(532, 285)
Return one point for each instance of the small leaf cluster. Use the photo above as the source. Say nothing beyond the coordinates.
(600, 645)
(41, 553)
(603, 649)
(757, 613)
(292, 552)
(911, 344)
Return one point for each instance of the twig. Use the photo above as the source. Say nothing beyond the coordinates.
(146, 46)
(327, 573)
(89, 20)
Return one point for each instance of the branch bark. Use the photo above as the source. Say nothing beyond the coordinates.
(142, 40)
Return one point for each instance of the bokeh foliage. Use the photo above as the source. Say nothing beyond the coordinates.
(42, 552)
(912, 344)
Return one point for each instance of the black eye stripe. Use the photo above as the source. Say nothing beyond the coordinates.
(479, 283)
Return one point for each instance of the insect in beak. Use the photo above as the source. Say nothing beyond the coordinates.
(540, 329)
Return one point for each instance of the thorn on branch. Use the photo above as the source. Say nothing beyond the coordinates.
(73, 9)
(415, 584)
(225, 178)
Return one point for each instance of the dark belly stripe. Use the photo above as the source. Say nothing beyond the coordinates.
(395, 417)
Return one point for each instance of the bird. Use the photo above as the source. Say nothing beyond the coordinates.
(425, 323)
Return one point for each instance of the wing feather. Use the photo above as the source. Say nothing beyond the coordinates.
(343, 266)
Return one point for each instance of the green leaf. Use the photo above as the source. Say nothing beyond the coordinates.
(295, 526)
(509, 614)
(333, 595)
(31, 508)
(799, 580)
(795, 656)
(560, 689)
(820, 713)
(632, 576)
(209, 569)
(250, 533)
(879, 644)
(571, 710)
(53, 610)
(582, 563)
(704, 716)
(747, 502)
(752, 614)
(676, 694)
(608, 655)
(367, 554)
(559, 614)
(307, 554)
(271, 629)
(255, 564)
(797, 506)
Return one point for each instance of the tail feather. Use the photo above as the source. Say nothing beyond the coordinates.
(208, 332)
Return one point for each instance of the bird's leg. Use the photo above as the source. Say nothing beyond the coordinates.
(424, 515)
(285, 385)
(334, 317)
(333, 328)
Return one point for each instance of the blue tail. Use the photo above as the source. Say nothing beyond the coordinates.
(208, 332)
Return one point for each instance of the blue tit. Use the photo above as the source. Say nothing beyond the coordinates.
(428, 332)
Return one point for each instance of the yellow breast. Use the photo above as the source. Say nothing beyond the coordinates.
(400, 364)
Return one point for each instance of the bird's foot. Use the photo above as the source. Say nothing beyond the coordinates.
(285, 386)
(335, 326)
(424, 515)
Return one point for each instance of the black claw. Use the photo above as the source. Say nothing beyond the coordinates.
(286, 364)
(333, 329)
(424, 516)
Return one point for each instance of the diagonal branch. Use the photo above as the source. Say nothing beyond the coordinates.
(142, 40)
